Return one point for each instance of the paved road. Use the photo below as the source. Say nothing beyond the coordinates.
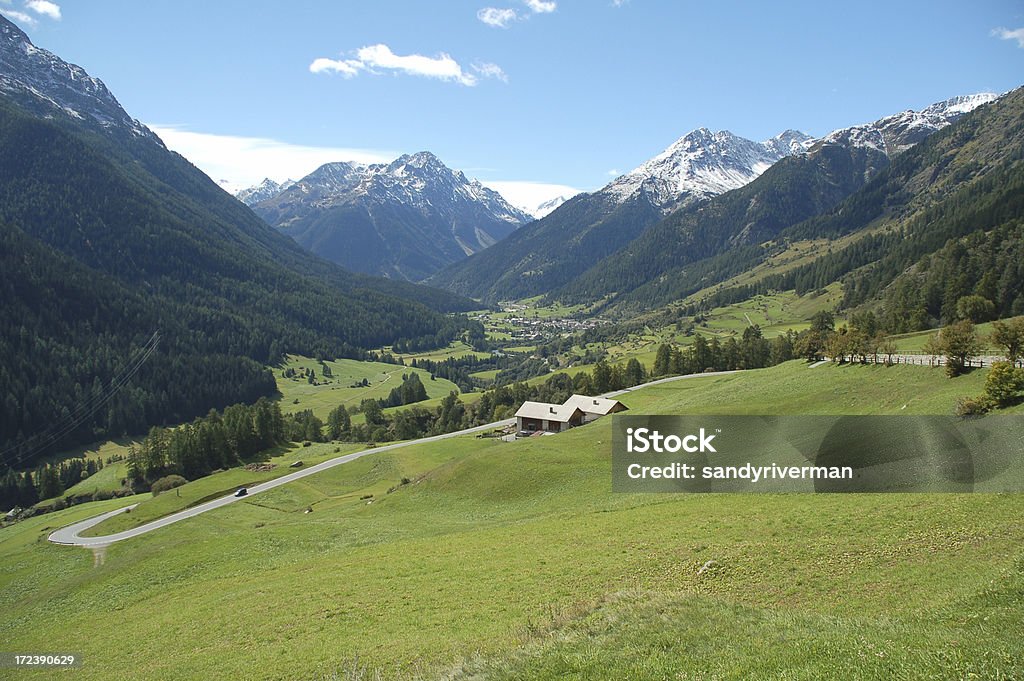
(70, 534)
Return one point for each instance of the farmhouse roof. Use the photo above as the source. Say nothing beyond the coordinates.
(593, 405)
(547, 412)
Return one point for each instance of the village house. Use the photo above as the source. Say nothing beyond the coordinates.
(594, 407)
(536, 417)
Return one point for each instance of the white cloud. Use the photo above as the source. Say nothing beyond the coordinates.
(499, 18)
(44, 8)
(1008, 34)
(239, 162)
(376, 58)
(346, 67)
(619, 3)
(614, 172)
(488, 70)
(442, 66)
(503, 17)
(528, 196)
(541, 6)
(20, 17)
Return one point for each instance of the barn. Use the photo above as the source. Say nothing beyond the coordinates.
(552, 418)
(594, 407)
(535, 417)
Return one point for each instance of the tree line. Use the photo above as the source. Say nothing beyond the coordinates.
(46, 481)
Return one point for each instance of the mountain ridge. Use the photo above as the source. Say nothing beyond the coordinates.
(366, 216)
(699, 167)
(701, 164)
(548, 253)
(144, 242)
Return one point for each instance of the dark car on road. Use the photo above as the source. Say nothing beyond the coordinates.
(241, 492)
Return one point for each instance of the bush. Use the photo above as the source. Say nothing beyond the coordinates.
(166, 483)
(1004, 383)
(968, 406)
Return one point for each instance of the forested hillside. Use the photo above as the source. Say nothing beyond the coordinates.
(108, 240)
(958, 195)
(664, 263)
(545, 254)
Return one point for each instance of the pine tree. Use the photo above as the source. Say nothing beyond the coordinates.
(339, 423)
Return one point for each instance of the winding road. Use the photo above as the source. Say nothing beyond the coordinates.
(70, 535)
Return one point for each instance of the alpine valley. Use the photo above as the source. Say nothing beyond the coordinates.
(108, 237)
(369, 420)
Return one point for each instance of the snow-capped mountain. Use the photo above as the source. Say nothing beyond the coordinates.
(554, 249)
(264, 190)
(702, 164)
(403, 219)
(550, 252)
(894, 134)
(50, 87)
(546, 207)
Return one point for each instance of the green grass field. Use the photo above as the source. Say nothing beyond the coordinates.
(455, 350)
(515, 561)
(774, 313)
(298, 394)
(106, 480)
(915, 342)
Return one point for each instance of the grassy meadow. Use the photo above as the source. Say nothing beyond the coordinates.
(298, 394)
(109, 478)
(915, 342)
(515, 561)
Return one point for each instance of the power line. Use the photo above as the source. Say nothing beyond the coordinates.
(15, 454)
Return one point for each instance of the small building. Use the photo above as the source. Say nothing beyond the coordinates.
(537, 417)
(552, 418)
(594, 407)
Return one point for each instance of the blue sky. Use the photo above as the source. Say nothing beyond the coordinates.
(553, 92)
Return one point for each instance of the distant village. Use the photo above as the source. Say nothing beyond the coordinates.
(537, 328)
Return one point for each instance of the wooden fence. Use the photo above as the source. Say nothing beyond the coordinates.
(925, 360)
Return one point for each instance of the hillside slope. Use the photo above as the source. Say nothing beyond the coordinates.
(155, 240)
(962, 187)
(703, 244)
(552, 251)
(500, 556)
(735, 223)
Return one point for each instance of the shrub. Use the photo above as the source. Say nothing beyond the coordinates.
(1004, 383)
(969, 406)
(167, 482)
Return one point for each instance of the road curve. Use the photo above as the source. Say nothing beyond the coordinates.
(69, 535)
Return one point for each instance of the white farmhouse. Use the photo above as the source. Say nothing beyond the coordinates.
(594, 407)
(552, 418)
(535, 417)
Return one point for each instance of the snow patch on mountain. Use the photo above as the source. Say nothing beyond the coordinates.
(547, 206)
(418, 180)
(702, 164)
(48, 85)
(898, 132)
(264, 190)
